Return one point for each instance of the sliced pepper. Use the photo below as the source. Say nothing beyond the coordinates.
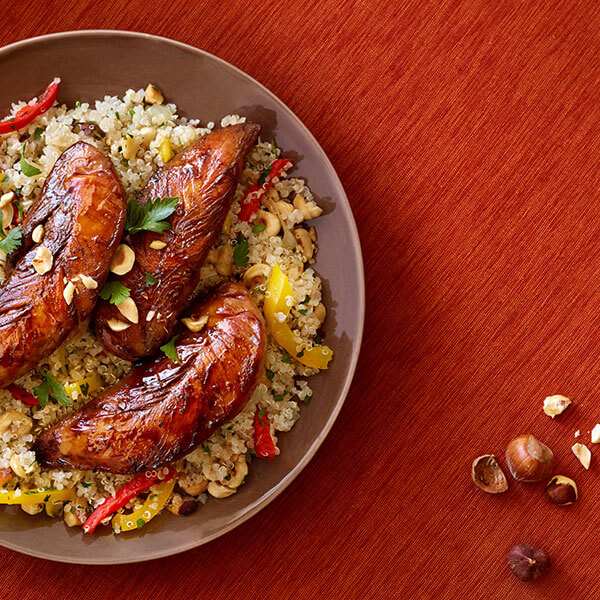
(264, 445)
(83, 387)
(130, 490)
(251, 200)
(165, 151)
(279, 299)
(38, 496)
(31, 110)
(153, 504)
(23, 395)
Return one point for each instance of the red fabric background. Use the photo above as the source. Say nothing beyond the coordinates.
(466, 134)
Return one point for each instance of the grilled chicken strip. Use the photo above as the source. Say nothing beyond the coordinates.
(162, 410)
(204, 178)
(82, 211)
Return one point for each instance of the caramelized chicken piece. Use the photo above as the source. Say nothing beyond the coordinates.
(162, 410)
(204, 178)
(82, 211)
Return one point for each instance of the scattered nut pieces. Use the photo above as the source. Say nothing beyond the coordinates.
(129, 148)
(562, 490)
(194, 324)
(183, 507)
(596, 434)
(527, 562)
(122, 260)
(556, 405)
(6, 199)
(150, 315)
(488, 475)
(37, 234)
(577, 433)
(582, 452)
(152, 95)
(528, 459)
(129, 310)
(148, 134)
(117, 325)
(69, 292)
(42, 261)
(157, 245)
(88, 282)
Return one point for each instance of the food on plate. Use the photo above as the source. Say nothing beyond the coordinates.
(198, 186)
(169, 404)
(264, 239)
(65, 247)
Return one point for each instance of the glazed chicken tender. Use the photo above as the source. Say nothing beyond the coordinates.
(203, 178)
(163, 409)
(53, 283)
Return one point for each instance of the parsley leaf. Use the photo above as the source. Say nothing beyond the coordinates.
(263, 176)
(273, 147)
(27, 169)
(261, 413)
(307, 399)
(258, 228)
(51, 387)
(86, 484)
(240, 252)
(284, 357)
(303, 311)
(115, 292)
(170, 350)
(10, 241)
(150, 279)
(151, 215)
(37, 134)
(140, 523)
(318, 340)
(278, 397)
(270, 374)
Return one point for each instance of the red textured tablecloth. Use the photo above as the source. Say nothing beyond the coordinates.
(467, 136)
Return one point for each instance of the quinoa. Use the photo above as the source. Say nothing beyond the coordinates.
(85, 368)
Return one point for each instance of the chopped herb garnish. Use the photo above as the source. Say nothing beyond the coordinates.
(37, 134)
(140, 523)
(27, 169)
(85, 388)
(270, 374)
(278, 397)
(150, 279)
(117, 115)
(284, 357)
(86, 484)
(151, 215)
(125, 162)
(170, 350)
(240, 252)
(10, 241)
(206, 448)
(77, 103)
(90, 129)
(263, 176)
(46, 498)
(51, 387)
(300, 354)
(258, 228)
(303, 311)
(227, 477)
(115, 292)
(131, 112)
(273, 147)
(306, 299)
(318, 340)
(19, 210)
(261, 413)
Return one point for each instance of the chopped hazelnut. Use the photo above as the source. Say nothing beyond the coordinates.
(123, 259)
(562, 490)
(556, 405)
(150, 315)
(117, 325)
(88, 282)
(129, 310)
(583, 453)
(152, 95)
(577, 433)
(6, 199)
(69, 292)
(42, 262)
(596, 434)
(37, 234)
(157, 245)
(194, 324)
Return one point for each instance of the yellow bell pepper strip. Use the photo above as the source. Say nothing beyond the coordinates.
(130, 490)
(165, 151)
(279, 299)
(153, 504)
(37, 496)
(83, 387)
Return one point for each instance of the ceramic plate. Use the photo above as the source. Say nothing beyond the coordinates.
(92, 64)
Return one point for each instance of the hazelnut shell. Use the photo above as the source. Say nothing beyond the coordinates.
(528, 459)
(488, 475)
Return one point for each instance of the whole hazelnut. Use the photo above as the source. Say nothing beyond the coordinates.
(528, 459)
(562, 490)
(527, 562)
(487, 474)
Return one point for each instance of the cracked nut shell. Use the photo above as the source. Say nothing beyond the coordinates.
(562, 490)
(528, 459)
(488, 475)
(527, 562)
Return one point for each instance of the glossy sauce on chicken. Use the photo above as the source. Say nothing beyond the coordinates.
(162, 410)
(82, 211)
(204, 178)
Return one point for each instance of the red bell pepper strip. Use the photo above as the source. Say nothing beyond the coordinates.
(130, 490)
(264, 446)
(23, 395)
(251, 200)
(31, 110)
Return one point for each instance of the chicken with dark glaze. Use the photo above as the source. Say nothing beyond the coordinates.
(162, 409)
(79, 216)
(204, 178)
